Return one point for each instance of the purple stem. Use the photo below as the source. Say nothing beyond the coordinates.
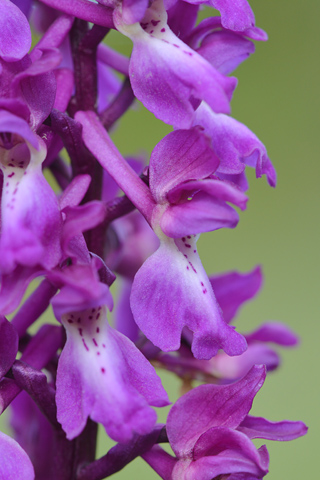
(33, 307)
(160, 461)
(61, 172)
(37, 354)
(119, 106)
(101, 146)
(56, 33)
(85, 10)
(84, 44)
(113, 59)
(35, 384)
(120, 455)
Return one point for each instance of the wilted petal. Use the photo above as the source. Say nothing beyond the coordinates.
(234, 288)
(258, 427)
(15, 463)
(211, 406)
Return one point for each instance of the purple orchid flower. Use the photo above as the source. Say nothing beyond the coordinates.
(218, 439)
(15, 463)
(166, 75)
(186, 200)
(100, 374)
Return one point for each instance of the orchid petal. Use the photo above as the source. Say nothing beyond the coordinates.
(101, 374)
(180, 156)
(201, 214)
(274, 332)
(234, 288)
(165, 72)
(162, 304)
(211, 406)
(15, 463)
(15, 40)
(258, 427)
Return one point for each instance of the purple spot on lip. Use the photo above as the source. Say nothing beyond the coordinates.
(79, 320)
(155, 22)
(90, 317)
(97, 316)
(80, 331)
(11, 175)
(98, 330)
(70, 321)
(98, 353)
(94, 341)
(187, 245)
(187, 267)
(189, 236)
(151, 31)
(162, 30)
(204, 291)
(103, 370)
(188, 53)
(103, 345)
(202, 284)
(7, 184)
(85, 345)
(194, 251)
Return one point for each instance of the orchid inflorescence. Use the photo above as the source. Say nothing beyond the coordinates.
(135, 223)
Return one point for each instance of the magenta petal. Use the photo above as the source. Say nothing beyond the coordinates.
(36, 436)
(235, 15)
(75, 191)
(180, 156)
(31, 220)
(172, 291)
(258, 427)
(15, 39)
(8, 345)
(14, 124)
(228, 444)
(15, 463)
(201, 214)
(234, 288)
(225, 50)
(101, 374)
(274, 332)
(222, 190)
(232, 368)
(133, 10)
(14, 285)
(166, 74)
(235, 145)
(210, 406)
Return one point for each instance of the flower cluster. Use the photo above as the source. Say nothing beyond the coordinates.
(135, 223)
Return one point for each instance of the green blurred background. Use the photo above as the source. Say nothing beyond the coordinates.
(276, 98)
